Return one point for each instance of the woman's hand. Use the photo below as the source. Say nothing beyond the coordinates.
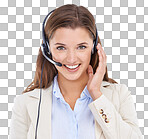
(95, 80)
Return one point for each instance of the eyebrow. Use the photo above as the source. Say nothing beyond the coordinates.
(65, 44)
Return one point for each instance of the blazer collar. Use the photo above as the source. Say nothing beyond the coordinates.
(36, 92)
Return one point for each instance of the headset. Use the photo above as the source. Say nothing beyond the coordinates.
(45, 51)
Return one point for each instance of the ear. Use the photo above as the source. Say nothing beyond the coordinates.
(90, 70)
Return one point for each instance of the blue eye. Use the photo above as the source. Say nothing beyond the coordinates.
(60, 48)
(82, 47)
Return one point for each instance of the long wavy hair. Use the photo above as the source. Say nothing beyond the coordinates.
(68, 16)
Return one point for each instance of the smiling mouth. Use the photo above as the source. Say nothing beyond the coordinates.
(72, 67)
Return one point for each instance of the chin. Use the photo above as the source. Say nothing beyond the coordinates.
(73, 76)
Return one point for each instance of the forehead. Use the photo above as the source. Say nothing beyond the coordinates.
(69, 33)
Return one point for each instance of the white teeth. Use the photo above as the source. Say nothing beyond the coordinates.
(72, 67)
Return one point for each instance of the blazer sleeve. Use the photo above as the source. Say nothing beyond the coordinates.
(18, 124)
(121, 124)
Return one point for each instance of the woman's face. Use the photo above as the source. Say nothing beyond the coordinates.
(66, 48)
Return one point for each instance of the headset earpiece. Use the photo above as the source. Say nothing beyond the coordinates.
(47, 42)
(95, 43)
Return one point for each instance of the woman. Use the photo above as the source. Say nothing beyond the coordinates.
(79, 100)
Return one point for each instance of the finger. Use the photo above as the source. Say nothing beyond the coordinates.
(90, 72)
(102, 52)
(100, 55)
(101, 58)
(102, 63)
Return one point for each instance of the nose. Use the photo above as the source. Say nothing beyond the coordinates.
(71, 57)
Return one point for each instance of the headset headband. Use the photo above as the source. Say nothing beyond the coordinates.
(45, 41)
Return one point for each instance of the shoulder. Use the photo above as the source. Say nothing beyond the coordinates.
(118, 87)
(32, 95)
(114, 86)
(23, 99)
(118, 94)
(121, 90)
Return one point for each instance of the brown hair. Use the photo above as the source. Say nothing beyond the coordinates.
(72, 16)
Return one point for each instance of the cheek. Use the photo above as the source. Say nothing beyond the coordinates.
(85, 58)
(57, 58)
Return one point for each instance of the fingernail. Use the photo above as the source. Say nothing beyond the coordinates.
(98, 45)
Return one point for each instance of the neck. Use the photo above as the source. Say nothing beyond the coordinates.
(72, 88)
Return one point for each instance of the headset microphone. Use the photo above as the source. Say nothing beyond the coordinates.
(45, 44)
(50, 60)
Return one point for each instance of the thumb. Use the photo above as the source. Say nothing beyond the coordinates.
(90, 71)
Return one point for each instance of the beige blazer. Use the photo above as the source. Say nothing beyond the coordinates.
(116, 103)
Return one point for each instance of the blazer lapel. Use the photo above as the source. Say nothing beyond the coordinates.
(44, 124)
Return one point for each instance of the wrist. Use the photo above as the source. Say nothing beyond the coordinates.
(96, 95)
